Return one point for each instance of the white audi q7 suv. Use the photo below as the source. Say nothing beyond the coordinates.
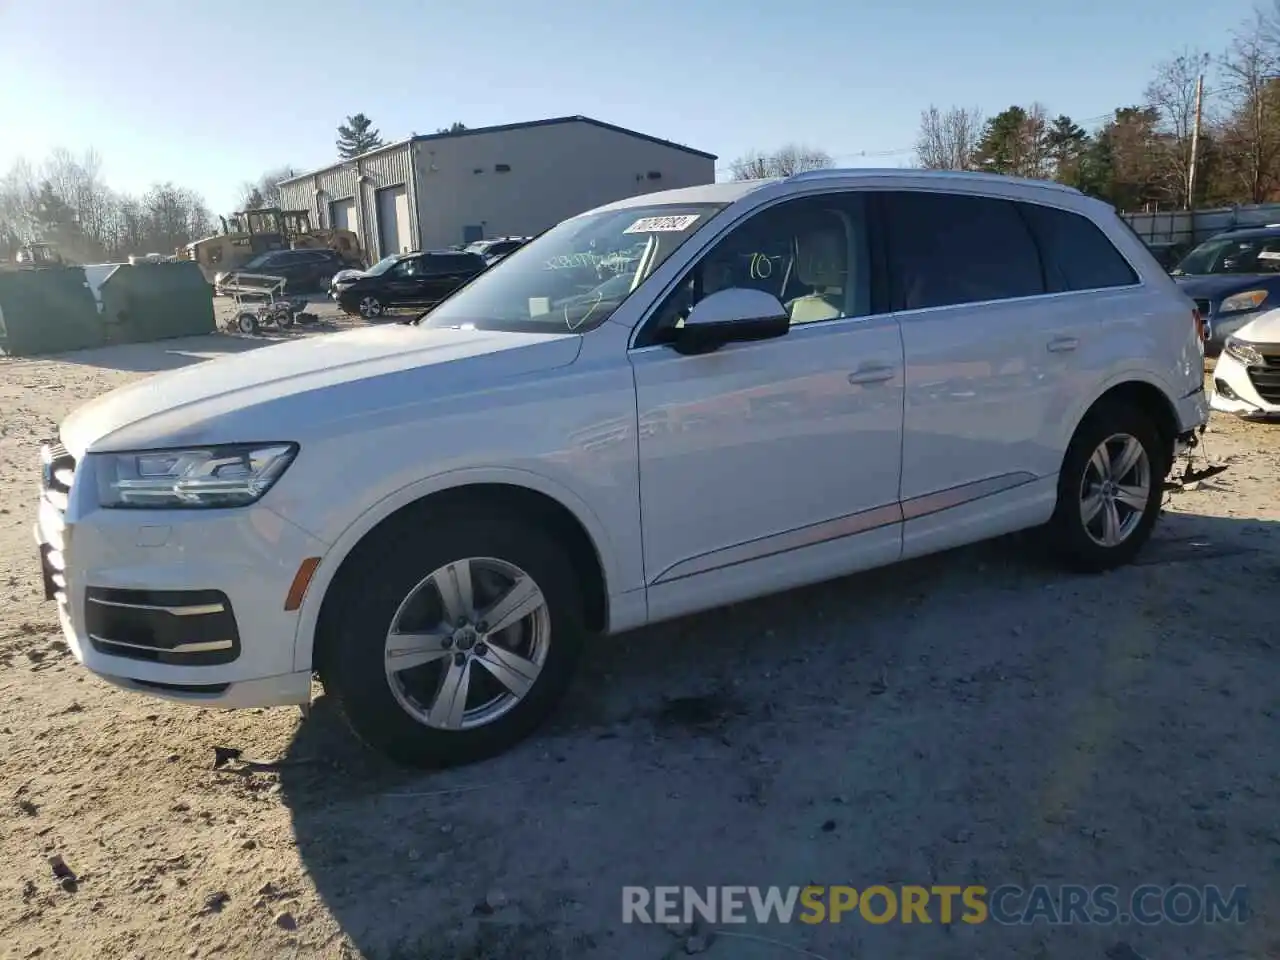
(668, 403)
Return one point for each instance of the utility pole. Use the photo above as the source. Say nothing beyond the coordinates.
(1195, 145)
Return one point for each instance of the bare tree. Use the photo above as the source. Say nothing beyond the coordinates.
(947, 141)
(265, 191)
(1252, 130)
(1172, 94)
(784, 162)
(1037, 156)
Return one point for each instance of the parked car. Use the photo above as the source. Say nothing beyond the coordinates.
(670, 403)
(350, 273)
(1246, 379)
(1168, 253)
(304, 270)
(406, 280)
(496, 248)
(1232, 277)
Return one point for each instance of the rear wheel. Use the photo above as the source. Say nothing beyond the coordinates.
(446, 639)
(1110, 489)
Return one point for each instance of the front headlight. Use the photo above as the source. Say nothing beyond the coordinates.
(1237, 302)
(1243, 351)
(234, 475)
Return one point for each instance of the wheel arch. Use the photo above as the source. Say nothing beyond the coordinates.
(568, 518)
(1146, 395)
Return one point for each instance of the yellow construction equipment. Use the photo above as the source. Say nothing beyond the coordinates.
(248, 233)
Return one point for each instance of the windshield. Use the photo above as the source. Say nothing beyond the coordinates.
(382, 266)
(1232, 255)
(572, 278)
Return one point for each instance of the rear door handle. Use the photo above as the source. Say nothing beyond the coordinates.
(1063, 344)
(877, 374)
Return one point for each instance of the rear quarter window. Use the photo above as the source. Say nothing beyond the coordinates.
(1077, 254)
(947, 249)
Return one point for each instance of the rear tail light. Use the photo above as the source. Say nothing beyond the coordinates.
(1198, 320)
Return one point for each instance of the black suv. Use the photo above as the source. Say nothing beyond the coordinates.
(406, 280)
(496, 248)
(302, 270)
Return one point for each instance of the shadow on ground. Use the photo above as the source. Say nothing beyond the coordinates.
(976, 717)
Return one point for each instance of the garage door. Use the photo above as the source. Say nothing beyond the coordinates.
(342, 214)
(393, 220)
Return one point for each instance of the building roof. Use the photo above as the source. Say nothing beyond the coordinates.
(503, 128)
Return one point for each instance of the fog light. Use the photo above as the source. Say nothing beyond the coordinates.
(1222, 387)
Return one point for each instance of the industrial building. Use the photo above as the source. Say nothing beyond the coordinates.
(437, 190)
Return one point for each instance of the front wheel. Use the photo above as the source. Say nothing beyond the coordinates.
(371, 307)
(1110, 489)
(448, 638)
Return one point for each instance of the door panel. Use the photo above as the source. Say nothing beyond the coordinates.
(764, 465)
(763, 440)
(342, 214)
(391, 203)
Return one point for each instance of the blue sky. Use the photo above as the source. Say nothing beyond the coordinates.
(179, 91)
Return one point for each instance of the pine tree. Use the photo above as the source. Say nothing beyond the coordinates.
(357, 136)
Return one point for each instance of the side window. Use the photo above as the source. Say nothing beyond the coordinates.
(1077, 255)
(947, 249)
(1269, 257)
(811, 253)
(409, 268)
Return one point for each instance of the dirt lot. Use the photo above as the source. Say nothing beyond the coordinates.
(973, 718)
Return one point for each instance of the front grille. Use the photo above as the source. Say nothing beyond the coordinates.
(1265, 377)
(177, 627)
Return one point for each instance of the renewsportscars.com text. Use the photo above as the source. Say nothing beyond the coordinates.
(880, 904)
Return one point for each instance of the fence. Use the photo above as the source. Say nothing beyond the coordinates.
(1188, 227)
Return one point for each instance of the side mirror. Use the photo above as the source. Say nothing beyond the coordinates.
(735, 315)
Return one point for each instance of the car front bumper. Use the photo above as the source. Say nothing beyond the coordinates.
(1248, 391)
(181, 604)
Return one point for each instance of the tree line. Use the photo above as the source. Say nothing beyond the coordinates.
(65, 201)
(1142, 155)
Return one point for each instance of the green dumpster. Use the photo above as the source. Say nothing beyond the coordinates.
(156, 301)
(47, 310)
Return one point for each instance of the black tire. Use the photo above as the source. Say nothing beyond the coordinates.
(1069, 535)
(371, 308)
(361, 606)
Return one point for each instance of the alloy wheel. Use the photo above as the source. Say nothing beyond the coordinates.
(467, 644)
(1115, 490)
(370, 307)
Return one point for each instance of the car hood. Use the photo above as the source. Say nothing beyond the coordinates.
(346, 276)
(1264, 329)
(1213, 285)
(192, 405)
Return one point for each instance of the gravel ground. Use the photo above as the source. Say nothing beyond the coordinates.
(975, 717)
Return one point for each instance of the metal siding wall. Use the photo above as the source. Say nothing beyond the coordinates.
(387, 169)
(557, 170)
(339, 182)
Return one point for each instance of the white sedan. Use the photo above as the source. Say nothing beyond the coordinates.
(1246, 380)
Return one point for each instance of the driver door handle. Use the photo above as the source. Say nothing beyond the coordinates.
(1063, 344)
(872, 374)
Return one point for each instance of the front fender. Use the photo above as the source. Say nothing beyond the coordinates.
(340, 549)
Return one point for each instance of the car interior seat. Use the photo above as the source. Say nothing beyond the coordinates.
(821, 263)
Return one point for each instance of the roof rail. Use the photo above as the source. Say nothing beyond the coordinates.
(972, 176)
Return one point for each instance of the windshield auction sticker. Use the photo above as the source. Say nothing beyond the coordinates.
(663, 224)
